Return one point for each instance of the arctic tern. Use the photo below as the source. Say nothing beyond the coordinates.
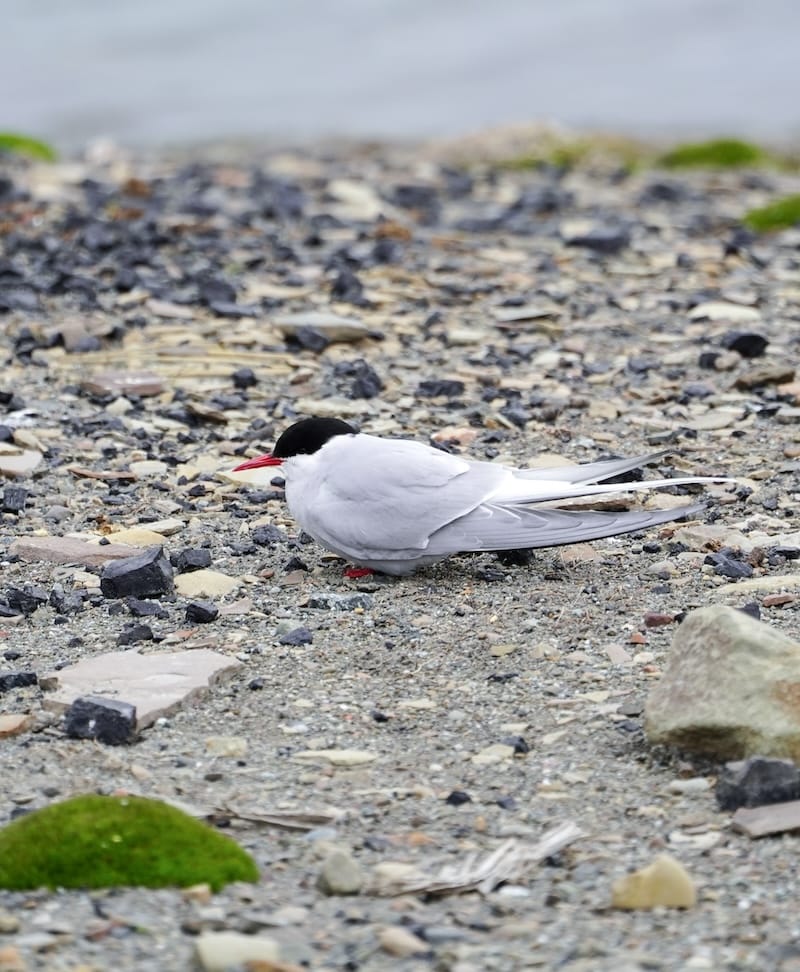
(394, 505)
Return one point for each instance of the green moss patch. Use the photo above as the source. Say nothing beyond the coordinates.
(101, 842)
(778, 215)
(717, 153)
(25, 145)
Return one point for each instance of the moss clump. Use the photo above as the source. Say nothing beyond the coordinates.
(25, 145)
(778, 215)
(101, 841)
(717, 153)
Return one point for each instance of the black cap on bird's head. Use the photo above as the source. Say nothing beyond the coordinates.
(304, 438)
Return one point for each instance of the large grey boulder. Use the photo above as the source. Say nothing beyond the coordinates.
(730, 688)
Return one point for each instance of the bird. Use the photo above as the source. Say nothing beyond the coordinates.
(392, 506)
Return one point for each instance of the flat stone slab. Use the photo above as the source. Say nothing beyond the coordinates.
(69, 550)
(156, 684)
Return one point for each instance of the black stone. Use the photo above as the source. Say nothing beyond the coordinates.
(14, 499)
(726, 564)
(191, 558)
(440, 388)
(298, 636)
(295, 563)
(215, 290)
(521, 747)
(310, 339)
(146, 609)
(25, 600)
(108, 721)
(457, 798)
(256, 684)
(415, 196)
(12, 680)
(134, 634)
(148, 574)
(348, 287)
(602, 239)
(707, 359)
(201, 612)
(506, 803)
(244, 378)
(757, 781)
(515, 558)
(268, 535)
(747, 343)
(752, 609)
(65, 602)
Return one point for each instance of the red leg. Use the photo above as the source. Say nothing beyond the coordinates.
(353, 573)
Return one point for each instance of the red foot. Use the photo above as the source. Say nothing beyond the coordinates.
(355, 572)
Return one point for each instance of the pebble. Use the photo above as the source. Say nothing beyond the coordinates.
(757, 781)
(109, 721)
(402, 943)
(201, 612)
(341, 874)
(205, 584)
(234, 747)
(221, 951)
(664, 883)
(337, 757)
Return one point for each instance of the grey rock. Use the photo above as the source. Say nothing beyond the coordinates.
(730, 688)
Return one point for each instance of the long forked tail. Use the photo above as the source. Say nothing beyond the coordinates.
(523, 527)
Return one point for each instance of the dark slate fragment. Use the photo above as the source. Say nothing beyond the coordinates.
(366, 381)
(310, 339)
(191, 558)
(256, 684)
(757, 781)
(747, 343)
(752, 608)
(267, 535)
(707, 359)
(297, 636)
(727, 564)
(457, 798)
(202, 612)
(520, 746)
(440, 387)
(109, 721)
(490, 574)
(13, 680)
(215, 290)
(25, 600)
(602, 239)
(14, 499)
(415, 196)
(65, 602)
(147, 574)
(134, 634)
(348, 287)
(146, 609)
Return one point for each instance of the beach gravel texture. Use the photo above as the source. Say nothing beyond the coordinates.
(160, 320)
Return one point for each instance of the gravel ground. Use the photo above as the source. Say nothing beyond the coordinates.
(582, 313)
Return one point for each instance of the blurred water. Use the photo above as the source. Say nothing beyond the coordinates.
(175, 70)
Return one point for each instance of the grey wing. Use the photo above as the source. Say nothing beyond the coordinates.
(518, 527)
(590, 472)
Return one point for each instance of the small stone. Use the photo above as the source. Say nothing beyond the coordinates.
(142, 384)
(757, 781)
(440, 388)
(339, 602)
(332, 327)
(201, 612)
(748, 344)
(14, 499)
(401, 942)
(109, 721)
(664, 883)
(457, 798)
(14, 723)
(267, 535)
(655, 619)
(601, 239)
(148, 574)
(19, 463)
(135, 634)
(760, 377)
(14, 680)
(244, 378)
(337, 757)
(191, 558)
(26, 600)
(234, 747)
(225, 950)
(717, 310)
(148, 468)
(11, 959)
(496, 753)
(205, 584)
(340, 874)
(297, 636)
(728, 565)
(9, 924)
